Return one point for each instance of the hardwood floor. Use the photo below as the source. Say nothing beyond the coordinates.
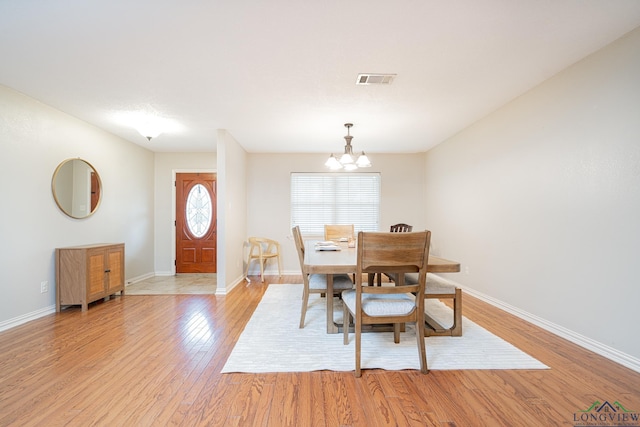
(156, 360)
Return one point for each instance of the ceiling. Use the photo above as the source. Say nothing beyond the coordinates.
(280, 75)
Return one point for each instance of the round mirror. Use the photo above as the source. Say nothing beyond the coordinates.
(76, 188)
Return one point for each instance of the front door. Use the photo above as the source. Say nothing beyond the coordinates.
(196, 223)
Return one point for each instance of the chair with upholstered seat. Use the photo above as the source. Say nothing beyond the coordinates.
(398, 253)
(263, 250)
(401, 228)
(395, 228)
(439, 288)
(338, 233)
(316, 283)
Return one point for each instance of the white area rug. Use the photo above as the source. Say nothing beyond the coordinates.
(272, 342)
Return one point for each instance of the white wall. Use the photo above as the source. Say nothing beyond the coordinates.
(165, 167)
(34, 139)
(232, 211)
(268, 183)
(541, 200)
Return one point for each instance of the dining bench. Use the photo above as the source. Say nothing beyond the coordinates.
(439, 288)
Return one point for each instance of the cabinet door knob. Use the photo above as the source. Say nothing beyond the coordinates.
(108, 271)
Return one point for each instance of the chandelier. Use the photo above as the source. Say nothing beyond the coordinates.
(348, 160)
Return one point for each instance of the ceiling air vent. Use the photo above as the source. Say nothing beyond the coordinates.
(375, 79)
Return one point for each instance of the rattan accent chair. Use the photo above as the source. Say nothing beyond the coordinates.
(262, 250)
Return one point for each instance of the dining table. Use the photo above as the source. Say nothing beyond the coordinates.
(344, 261)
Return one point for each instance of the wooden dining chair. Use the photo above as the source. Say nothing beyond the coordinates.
(438, 288)
(316, 283)
(401, 228)
(263, 250)
(396, 228)
(338, 232)
(389, 252)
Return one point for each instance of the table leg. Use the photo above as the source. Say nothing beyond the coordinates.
(370, 277)
(332, 328)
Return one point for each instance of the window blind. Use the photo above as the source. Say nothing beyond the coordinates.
(329, 198)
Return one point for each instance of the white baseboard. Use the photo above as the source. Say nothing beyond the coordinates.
(241, 279)
(576, 338)
(225, 290)
(137, 279)
(255, 271)
(164, 273)
(11, 323)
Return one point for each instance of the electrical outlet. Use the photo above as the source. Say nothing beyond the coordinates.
(44, 286)
(466, 270)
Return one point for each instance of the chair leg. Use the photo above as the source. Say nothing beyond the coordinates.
(456, 329)
(346, 317)
(396, 332)
(246, 271)
(262, 262)
(279, 266)
(422, 347)
(358, 331)
(305, 303)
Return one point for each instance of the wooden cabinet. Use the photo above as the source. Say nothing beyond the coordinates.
(88, 273)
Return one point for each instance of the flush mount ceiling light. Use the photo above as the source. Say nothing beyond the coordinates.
(148, 124)
(149, 130)
(348, 160)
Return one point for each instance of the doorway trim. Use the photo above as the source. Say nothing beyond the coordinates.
(173, 208)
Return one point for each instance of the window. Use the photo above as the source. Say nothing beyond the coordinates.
(328, 198)
(198, 210)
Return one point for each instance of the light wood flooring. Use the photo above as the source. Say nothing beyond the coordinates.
(156, 361)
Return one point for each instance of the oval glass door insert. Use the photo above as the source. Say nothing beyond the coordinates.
(199, 210)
